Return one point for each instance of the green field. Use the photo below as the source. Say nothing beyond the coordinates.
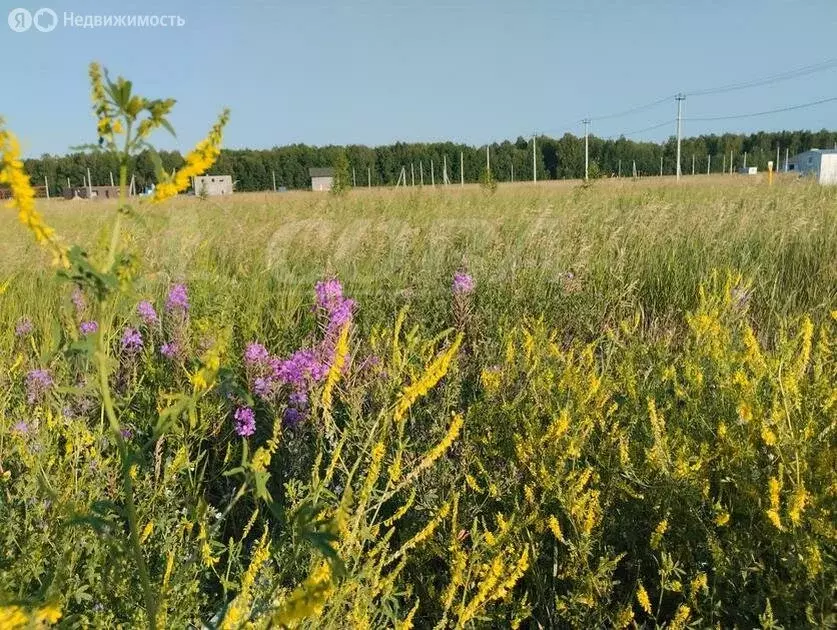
(643, 374)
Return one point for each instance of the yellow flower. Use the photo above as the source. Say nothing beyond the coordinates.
(722, 518)
(307, 600)
(680, 617)
(657, 535)
(768, 436)
(555, 527)
(797, 505)
(643, 599)
(699, 583)
(23, 196)
(146, 532)
(432, 375)
(198, 161)
(340, 352)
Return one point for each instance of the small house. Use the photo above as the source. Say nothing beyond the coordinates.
(213, 185)
(322, 179)
(821, 165)
(91, 192)
(748, 170)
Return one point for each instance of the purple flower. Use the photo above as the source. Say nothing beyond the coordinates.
(177, 300)
(78, 300)
(328, 292)
(126, 433)
(21, 427)
(170, 349)
(293, 416)
(147, 313)
(131, 341)
(38, 383)
(256, 354)
(463, 284)
(89, 328)
(245, 421)
(24, 327)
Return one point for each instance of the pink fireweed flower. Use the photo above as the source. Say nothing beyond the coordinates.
(38, 384)
(245, 421)
(463, 283)
(88, 328)
(24, 327)
(178, 299)
(147, 313)
(170, 350)
(256, 354)
(78, 300)
(131, 341)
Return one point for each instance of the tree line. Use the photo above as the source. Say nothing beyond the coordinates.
(555, 158)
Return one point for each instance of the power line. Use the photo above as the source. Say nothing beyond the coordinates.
(634, 110)
(765, 113)
(776, 78)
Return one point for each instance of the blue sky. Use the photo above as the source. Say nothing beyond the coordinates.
(376, 71)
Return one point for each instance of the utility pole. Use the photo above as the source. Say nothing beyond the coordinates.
(787, 155)
(745, 159)
(111, 179)
(421, 173)
(680, 98)
(445, 179)
(462, 169)
(708, 164)
(534, 162)
(731, 161)
(724, 169)
(89, 186)
(512, 172)
(634, 169)
(777, 158)
(274, 180)
(354, 178)
(661, 166)
(46, 185)
(432, 175)
(693, 163)
(369, 177)
(586, 122)
(487, 159)
(619, 170)
(413, 173)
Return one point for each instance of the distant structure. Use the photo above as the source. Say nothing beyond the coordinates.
(6, 193)
(213, 185)
(322, 179)
(748, 170)
(91, 192)
(816, 163)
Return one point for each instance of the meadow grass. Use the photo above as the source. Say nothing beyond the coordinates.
(629, 421)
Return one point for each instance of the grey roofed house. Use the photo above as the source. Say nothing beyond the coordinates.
(322, 178)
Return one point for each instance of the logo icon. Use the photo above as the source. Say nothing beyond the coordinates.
(20, 20)
(45, 20)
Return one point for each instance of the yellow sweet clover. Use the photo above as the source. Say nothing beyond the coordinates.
(23, 196)
(308, 600)
(198, 161)
(239, 609)
(340, 353)
(657, 534)
(432, 375)
(643, 599)
(680, 617)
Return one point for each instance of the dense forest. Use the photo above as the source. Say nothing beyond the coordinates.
(557, 158)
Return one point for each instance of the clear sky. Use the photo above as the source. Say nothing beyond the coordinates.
(376, 71)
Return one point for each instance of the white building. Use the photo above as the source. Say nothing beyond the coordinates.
(821, 165)
(322, 179)
(213, 185)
